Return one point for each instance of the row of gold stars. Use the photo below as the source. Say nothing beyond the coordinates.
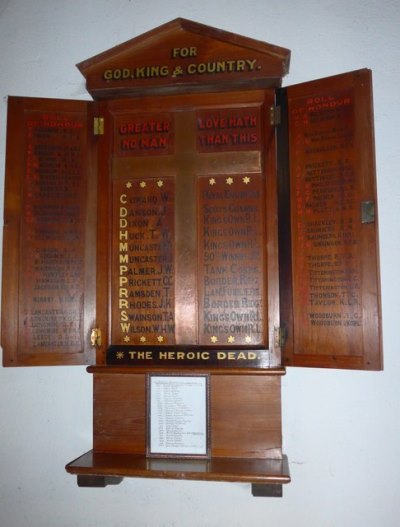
(212, 181)
(230, 339)
(229, 180)
(143, 184)
(143, 339)
(214, 339)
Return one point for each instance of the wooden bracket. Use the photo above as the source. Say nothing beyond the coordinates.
(257, 489)
(97, 481)
(266, 490)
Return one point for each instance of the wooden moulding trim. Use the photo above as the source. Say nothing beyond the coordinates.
(220, 371)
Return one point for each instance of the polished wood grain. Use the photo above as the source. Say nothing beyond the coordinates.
(182, 56)
(332, 311)
(49, 249)
(186, 162)
(268, 471)
(245, 413)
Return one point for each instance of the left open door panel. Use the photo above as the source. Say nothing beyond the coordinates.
(49, 249)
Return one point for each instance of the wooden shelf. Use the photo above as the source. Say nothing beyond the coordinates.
(97, 469)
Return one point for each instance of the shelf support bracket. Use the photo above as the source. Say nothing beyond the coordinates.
(265, 490)
(97, 481)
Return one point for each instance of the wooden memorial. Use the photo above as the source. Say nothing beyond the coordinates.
(187, 234)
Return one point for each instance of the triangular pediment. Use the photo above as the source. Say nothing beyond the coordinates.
(184, 56)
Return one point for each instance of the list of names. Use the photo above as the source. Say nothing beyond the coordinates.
(231, 260)
(326, 216)
(52, 233)
(143, 262)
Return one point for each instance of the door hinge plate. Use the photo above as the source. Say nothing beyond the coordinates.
(367, 212)
(95, 338)
(280, 337)
(98, 125)
(275, 115)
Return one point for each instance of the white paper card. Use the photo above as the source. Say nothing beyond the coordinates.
(178, 415)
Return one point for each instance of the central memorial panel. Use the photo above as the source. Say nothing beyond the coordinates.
(189, 231)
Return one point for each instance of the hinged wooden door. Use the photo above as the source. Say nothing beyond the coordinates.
(329, 275)
(49, 254)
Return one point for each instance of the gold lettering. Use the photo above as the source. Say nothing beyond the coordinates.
(184, 52)
(141, 355)
(222, 66)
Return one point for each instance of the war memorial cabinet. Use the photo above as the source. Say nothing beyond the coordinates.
(187, 234)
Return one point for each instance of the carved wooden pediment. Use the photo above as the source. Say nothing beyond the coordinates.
(184, 56)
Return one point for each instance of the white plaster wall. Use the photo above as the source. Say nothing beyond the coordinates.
(341, 428)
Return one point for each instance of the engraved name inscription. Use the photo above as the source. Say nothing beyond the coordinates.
(231, 260)
(52, 234)
(143, 262)
(326, 217)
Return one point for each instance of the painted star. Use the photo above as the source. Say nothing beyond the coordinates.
(214, 339)
(229, 181)
(143, 184)
(142, 339)
(246, 180)
(129, 185)
(127, 339)
(160, 338)
(248, 339)
(231, 339)
(120, 355)
(212, 181)
(160, 183)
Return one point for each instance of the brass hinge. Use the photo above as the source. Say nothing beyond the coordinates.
(367, 212)
(280, 337)
(274, 115)
(95, 338)
(98, 125)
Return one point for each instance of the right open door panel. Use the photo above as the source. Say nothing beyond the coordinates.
(329, 278)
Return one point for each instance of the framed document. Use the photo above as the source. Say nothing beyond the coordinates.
(178, 415)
